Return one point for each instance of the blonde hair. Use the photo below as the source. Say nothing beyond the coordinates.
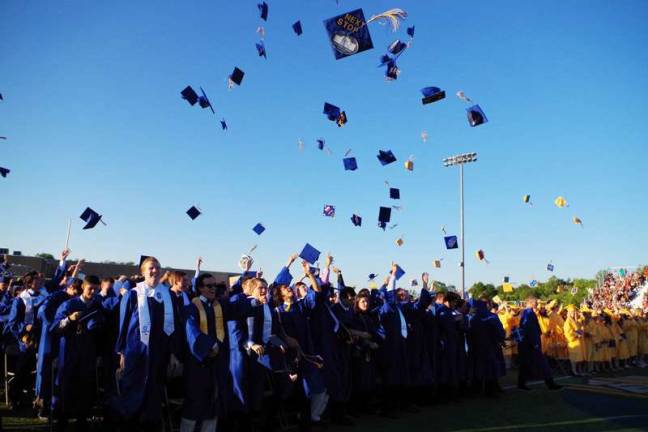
(173, 277)
(252, 284)
(149, 260)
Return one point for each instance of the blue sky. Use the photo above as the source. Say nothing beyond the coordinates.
(93, 117)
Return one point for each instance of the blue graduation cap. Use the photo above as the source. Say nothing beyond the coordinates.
(410, 31)
(533, 283)
(384, 216)
(386, 157)
(4, 172)
(261, 49)
(258, 228)
(223, 124)
(550, 267)
(189, 95)
(451, 242)
(91, 218)
(348, 34)
(297, 28)
(350, 164)
(394, 193)
(320, 143)
(237, 76)
(356, 220)
(309, 254)
(396, 47)
(372, 276)
(399, 272)
(203, 101)
(193, 212)
(432, 94)
(263, 8)
(334, 113)
(476, 116)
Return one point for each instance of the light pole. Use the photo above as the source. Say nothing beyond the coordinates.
(460, 160)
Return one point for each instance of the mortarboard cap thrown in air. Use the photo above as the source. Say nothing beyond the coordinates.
(320, 143)
(410, 31)
(394, 193)
(476, 116)
(237, 76)
(193, 212)
(507, 287)
(480, 255)
(189, 95)
(258, 228)
(297, 28)
(550, 267)
(527, 199)
(348, 34)
(384, 216)
(356, 220)
(560, 202)
(399, 241)
(91, 218)
(506, 278)
(4, 172)
(350, 164)
(386, 157)
(223, 124)
(399, 272)
(263, 9)
(203, 101)
(451, 242)
(335, 114)
(437, 263)
(533, 283)
(432, 94)
(261, 49)
(329, 210)
(396, 47)
(309, 254)
(372, 276)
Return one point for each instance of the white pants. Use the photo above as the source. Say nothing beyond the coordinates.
(318, 404)
(187, 425)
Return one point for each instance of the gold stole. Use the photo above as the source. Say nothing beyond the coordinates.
(218, 317)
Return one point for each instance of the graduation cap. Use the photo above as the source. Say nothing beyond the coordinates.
(261, 49)
(399, 241)
(476, 116)
(527, 199)
(507, 287)
(560, 202)
(4, 172)
(335, 114)
(309, 254)
(436, 263)
(550, 267)
(258, 228)
(410, 31)
(432, 94)
(577, 221)
(372, 276)
(451, 242)
(533, 283)
(142, 258)
(348, 34)
(329, 210)
(399, 272)
(236, 77)
(397, 47)
(384, 216)
(386, 157)
(1, 96)
(189, 95)
(481, 256)
(297, 28)
(320, 143)
(91, 218)
(203, 101)
(394, 193)
(506, 279)
(356, 220)
(193, 212)
(350, 164)
(263, 8)
(223, 124)
(409, 164)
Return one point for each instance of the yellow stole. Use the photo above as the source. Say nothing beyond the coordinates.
(218, 317)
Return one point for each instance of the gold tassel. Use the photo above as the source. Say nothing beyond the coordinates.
(392, 15)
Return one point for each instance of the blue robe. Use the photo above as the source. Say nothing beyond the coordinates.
(447, 348)
(532, 362)
(394, 361)
(364, 360)
(75, 384)
(420, 369)
(485, 336)
(142, 383)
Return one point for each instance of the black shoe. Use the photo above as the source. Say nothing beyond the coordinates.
(523, 387)
(554, 386)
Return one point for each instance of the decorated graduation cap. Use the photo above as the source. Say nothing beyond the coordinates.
(386, 157)
(451, 242)
(384, 216)
(263, 10)
(394, 193)
(335, 114)
(356, 220)
(4, 172)
(236, 77)
(475, 116)
(309, 254)
(297, 28)
(193, 212)
(260, 46)
(329, 210)
(258, 228)
(432, 94)
(550, 267)
(560, 202)
(350, 163)
(91, 218)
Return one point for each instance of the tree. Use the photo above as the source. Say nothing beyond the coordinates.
(480, 289)
(46, 256)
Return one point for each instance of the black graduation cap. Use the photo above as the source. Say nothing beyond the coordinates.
(432, 94)
(386, 157)
(394, 193)
(348, 34)
(261, 50)
(193, 212)
(451, 242)
(223, 124)
(142, 258)
(384, 216)
(396, 47)
(410, 31)
(335, 114)
(4, 172)
(1, 96)
(91, 218)
(297, 28)
(506, 279)
(356, 220)
(320, 143)
(237, 76)
(203, 101)
(189, 95)
(263, 8)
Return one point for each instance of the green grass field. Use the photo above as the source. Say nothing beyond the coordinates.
(580, 407)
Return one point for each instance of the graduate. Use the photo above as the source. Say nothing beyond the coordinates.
(447, 346)
(575, 335)
(485, 336)
(148, 326)
(532, 361)
(76, 323)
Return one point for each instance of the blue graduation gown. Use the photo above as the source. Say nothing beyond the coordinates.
(485, 334)
(17, 324)
(447, 348)
(74, 387)
(532, 361)
(142, 383)
(419, 368)
(364, 361)
(394, 361)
